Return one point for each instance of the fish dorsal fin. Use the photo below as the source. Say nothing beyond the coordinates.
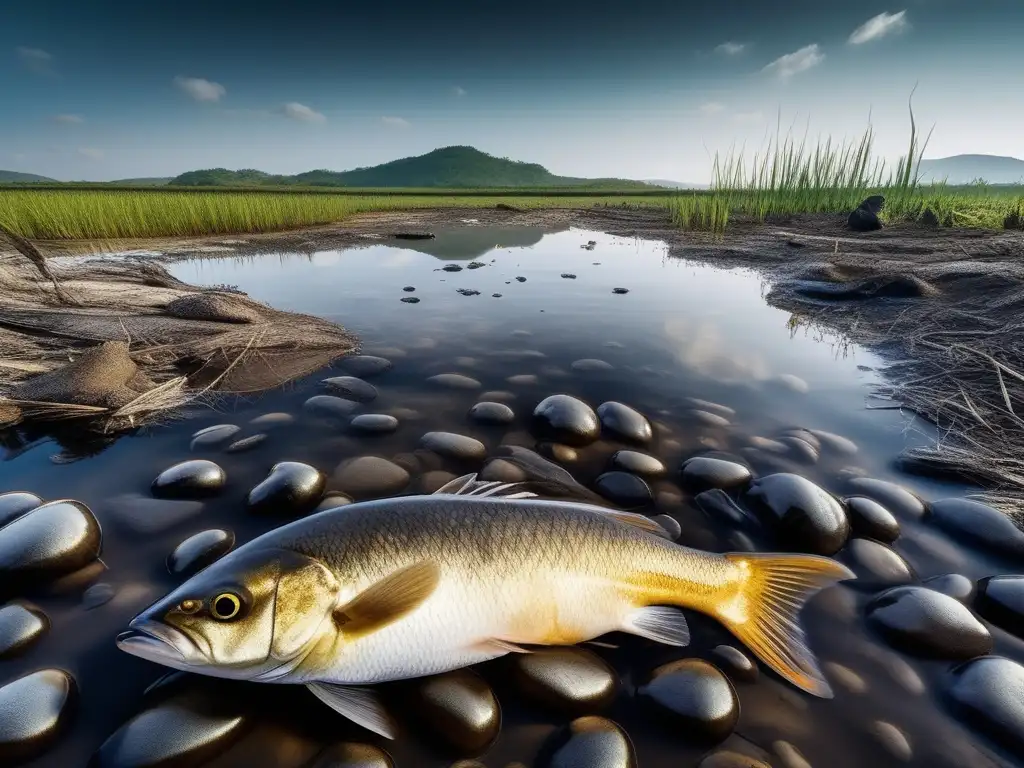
(635, 520)
(360, 705)
(389, 599)
(468, 485)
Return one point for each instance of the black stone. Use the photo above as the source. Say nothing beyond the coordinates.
(492, 413)
(247, 443)
(968, 520)
(638, 463)
(268, 421)
(588, 742)
(624, 423)
(453, 446)
(189, 480)
(521, 279)
(34, 711)
(702, 473)
(414, 235)
(928, 623)
(349, 754)
(870, 519)
(213, 436)
(804, 516)
(928, 218)
(620, 290)
(567, 679)
(893, 497)
(409, 288)
(368, 477)
(864, 218)
(625, 489)
(364, 366)
(717, 506)
(956, 585)
(198, 551)
(875, 565)
(563, 454)
(735, 663)
(467, 292)
(410, 300)
(693, 696)
(452, 268)
(565, 419)
(670, 524)
(989, 694)
(21, 625)
(475, 265)
(457, 710)
(352, 388)
(374, 423)
(290, 488)
(15, 504)
(50, 541)
(1001, 601)
(495, 295)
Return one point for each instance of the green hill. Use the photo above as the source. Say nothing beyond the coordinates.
(446, 168)
(965, 169)
(15, 177)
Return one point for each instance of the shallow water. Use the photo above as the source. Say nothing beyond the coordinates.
(682, 331)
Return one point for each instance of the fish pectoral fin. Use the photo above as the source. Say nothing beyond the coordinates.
(360, 705)
(659, 623)
(635, 520)
(501, 646)
(389, 599)
(468, 485)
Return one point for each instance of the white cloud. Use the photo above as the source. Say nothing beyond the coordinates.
(398, 122)
(711, 108)
(35, 59)
(459, 91)
(74, 119)
(302, 113)
(798, 61)
(200, 89)
(879, 26)
(731, 48)
(91, 152)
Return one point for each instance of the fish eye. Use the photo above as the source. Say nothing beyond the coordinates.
(225, 606)
(190, 606)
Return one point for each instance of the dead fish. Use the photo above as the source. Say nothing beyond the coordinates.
(418, 585)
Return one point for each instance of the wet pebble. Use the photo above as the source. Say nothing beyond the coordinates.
(502, 471)
(875, 565)
(588, 742)
(989, 693)
(497, 396)
(869, 518)
(833, 443)
(374, 423)
(845, 677)
(454, 446)
(565, 419)
(272, 421)
(247, 443)
(409, 300)
(956, 585)
(620, 290)
(728, 759)
(16, 503)
(330, 407)
(454, 381)
(430, 482)
(735, 663)
(800, 450)
(703, 473)
(708, 419)
(193, 479)
(695, 697)
(365, 366)
(213, 436)
(34, 709)
(350, 754)
(1001, 601)
(567, 679)
(291, 488)
(625, 489)
(523, 380)
(352, 388)
(409, 288)
(893, 497)
(198, 551)
(804, 515)
(670, 524)
(928, 623)
(969, 520)
(789, 756)
(452, 268)
(892, 740)
(717, 505)
(492, 413)
(638, 463)
(563, 454)
(52, 540)
(568, 276)
(457, 709)
(333, 500)
(520, 279)
(21, 625)
(590, 365)
(624, 423)
(97, 595)
(369, 476)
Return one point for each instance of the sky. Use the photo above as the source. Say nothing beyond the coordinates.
(646, 89)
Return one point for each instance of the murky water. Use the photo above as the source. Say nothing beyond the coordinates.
(682, 332)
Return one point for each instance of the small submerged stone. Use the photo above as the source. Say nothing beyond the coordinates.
(875, 564)
(590, 365)
(374, 423)
(453, 446)
(51, 540)
(869, 518)
(34, 709)
(638, 463)
(409, 300)
(588, 742)
(15, 504)
(725, 758)
(213, 436)
(454, 381)
(291, 488)
(409, 288)
(956, 585)
(695, 697)
(349, 754)
(989, 693)
(502, 471)
(1001, 601)
(833, 443)
(792, 383)
(625, 489)
(893, 497)
(804, 515)
(620, 290)
(369, 476)
(563, 454)
(272, 421)
(566, 679)
(457, 709)
(330, 407)
(702, 473)
(928, 623)
(97, 595)
(351, 388)
(333, 500)
(21, 625)
(800, 450)
(492, 413)
(365, 366)
(452, 268)
(736, 663)
(520, 279)
(565, 419)
(523, 380)
(247, 443)
(670, 524)
(892, 740)
(568, 276)
(193, 479)
(978, 523)
(625, 423)
(198, 551)
(708, 419)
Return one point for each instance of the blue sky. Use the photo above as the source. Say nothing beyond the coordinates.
(645, 89)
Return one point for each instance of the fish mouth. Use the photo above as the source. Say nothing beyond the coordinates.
(158, 642)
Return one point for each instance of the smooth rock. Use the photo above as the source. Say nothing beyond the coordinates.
(15, 504)
(492, 413)
(453, 446)
(21, 625)
(497, 396)
(870, 519)
(97, 595)
(457, 709)
(702, 473)
(54, 539)
(928, 623)
(956, 585)
(670, 524)
(863, 220)
(523, 380)
(708, 419)
(729, 759)
(410, 300)
(34, 709)
(625, 489)
(567, 679)
(875, 565)
(800, 450)
(454, 381)
(893, 497)
(247, 443)
(369, 476)
(409, 288)
(272, 421)
(430, 482)
(213, 436)
(333, 500)
(968, 520)
(364, 366)
(198, 551)
(624, 423)
(352, 388)
(330, 407)
(350, 754)
(588, 742)
(565, 419)
(374, 423)
(141, 514)
(735, 663)
(792, 383)
(805, 516)
(193, 479)
(1001, 601)
(620, 290)
(834, 444)
(789, 755)
(892, 740)
(717, 506)
(845, 677)
(638, 463)
(503, 471)
(989, 694)
(291, 488)
(695, 697)
(591, 365)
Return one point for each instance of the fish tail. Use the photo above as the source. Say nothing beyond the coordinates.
(763, 610)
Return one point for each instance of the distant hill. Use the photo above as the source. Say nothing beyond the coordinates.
(964, 169)
(146, 181)
(15, 177)
(675, 184)
(446, 168)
